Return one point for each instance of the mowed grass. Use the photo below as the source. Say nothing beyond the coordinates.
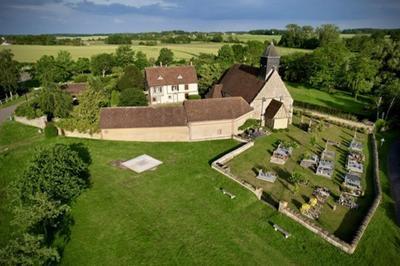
(338, 100)
(31, 53)
(342, 222)
(177, 215)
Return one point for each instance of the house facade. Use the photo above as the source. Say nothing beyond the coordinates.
(170, 84)
(259, 87)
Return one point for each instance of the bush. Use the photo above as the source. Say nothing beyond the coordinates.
(50, 130)
(194, 97)
(132, 97)
(250, 124)
(380, 125)
(29, 110)
(81, 78)
(114, 98)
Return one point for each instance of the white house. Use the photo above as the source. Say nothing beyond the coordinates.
(170, 84)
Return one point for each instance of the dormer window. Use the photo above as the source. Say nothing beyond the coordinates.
(180, 76)
(160, 77)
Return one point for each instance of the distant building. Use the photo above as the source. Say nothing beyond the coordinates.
(259, 87)
(170, 84)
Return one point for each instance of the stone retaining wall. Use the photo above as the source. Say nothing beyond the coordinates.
(39, 122)
(347, 247)
(76, 134)
(324, 234)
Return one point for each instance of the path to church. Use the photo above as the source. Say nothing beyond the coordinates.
(5, 113)
(394, 176)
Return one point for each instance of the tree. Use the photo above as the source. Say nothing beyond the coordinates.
(57, 171)
(226, 55)
(327, 34)
(132, 97)
(254, 50)
(45, 70)
(38, 214)
(124, 56)
(239, 52)
(102, 64)
(132, 78)
(392, 95)
(209, 75)
(55, 102)
(82, 65)
(85, 117)
(166, 57)
(28, 250)
(141, 60)
(64, 66)
(8, 72)
(296, 178)
(361, 73)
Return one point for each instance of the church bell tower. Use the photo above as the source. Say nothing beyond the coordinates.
(269, 60)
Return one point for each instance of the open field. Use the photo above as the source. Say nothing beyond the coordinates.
(177, 215)
(31, 53)
(341, 222)
(338, 100)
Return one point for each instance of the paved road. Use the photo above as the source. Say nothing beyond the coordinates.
(394, 176)
(5, 113)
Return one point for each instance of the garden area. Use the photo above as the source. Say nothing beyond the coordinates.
(296, 184)
(177, 214)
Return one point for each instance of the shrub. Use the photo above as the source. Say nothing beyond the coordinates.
(380, 125)
(81, 78)
(132, 97)
(50, 130)
(250, 123)
(114, 98)
(194, 97)
(29, 110)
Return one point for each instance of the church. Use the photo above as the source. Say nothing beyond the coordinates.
(262, 88)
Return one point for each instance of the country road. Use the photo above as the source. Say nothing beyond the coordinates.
(394, 176)
(5, 113)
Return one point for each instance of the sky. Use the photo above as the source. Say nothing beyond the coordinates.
(111, 16)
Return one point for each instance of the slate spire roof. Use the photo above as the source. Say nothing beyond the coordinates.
(270, 51)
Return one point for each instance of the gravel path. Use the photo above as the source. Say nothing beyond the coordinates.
(394, 176)
(5, 113)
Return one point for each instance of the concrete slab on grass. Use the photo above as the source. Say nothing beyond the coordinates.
(142, 163)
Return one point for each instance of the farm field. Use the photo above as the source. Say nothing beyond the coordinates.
(177, 214)
(31, 53)
(342, 222)
(338, 100)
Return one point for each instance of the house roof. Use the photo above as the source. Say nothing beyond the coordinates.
(242, 80)
(74, 88)
(169, 116)
(273, 108)
(215, 91)
(160, 75)
(139, 117)
(271, 51)
(216, 109)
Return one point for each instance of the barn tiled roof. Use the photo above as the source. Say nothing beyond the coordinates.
(242, 80)
(138, 117)
(216, 109)
(160, 75)
(169, 116)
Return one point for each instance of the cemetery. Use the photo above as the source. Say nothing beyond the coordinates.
(323, 189)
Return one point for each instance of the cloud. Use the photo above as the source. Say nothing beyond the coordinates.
(128, 3)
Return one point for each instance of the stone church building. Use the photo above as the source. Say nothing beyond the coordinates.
(261, 87)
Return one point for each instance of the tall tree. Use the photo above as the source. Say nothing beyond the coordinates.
(254, 50)
(82, 65)
(166, 57)
(361, 73)
(124, 56)
(8, 72)
(226, 55)
(327, 34)
(55, 102)
(102, 64)
(57, 171)
(141, 60)
(131, 78)
(64, 65)
(45, 70)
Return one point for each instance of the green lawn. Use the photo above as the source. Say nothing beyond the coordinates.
(337, 100)
(31, 53)
(340, 222)
(177, 215)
